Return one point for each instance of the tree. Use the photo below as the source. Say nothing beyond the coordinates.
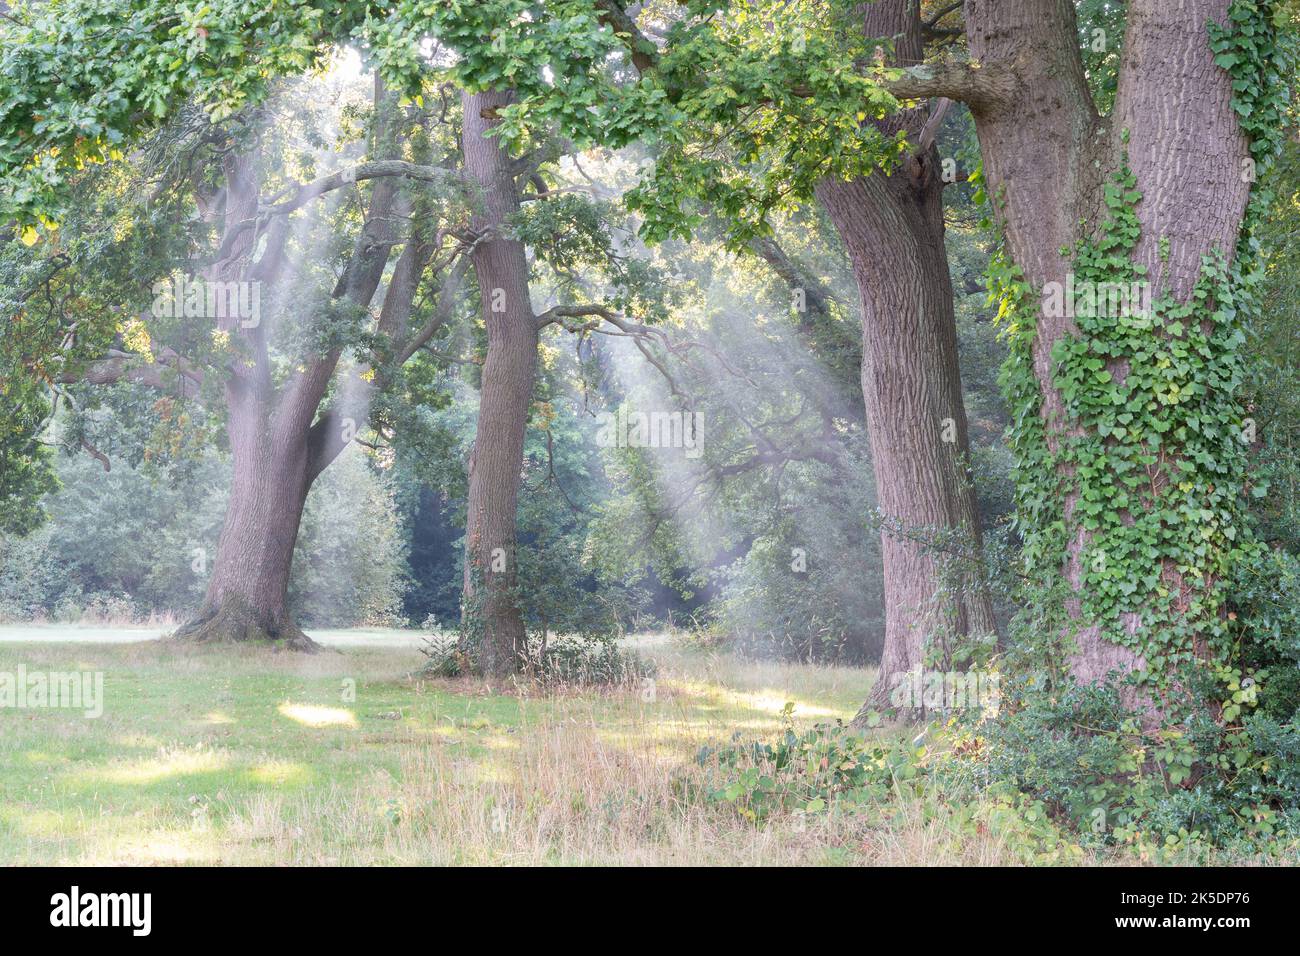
(784, 96)
(491, 603)
(892, 226)
(273, 378)
(1128, 424)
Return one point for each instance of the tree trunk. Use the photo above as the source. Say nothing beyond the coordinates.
(892, 227)
(278, 445)
(247, 597)
(491, 605)
(1047, 155)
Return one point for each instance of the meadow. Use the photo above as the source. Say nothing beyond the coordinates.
(212, 756)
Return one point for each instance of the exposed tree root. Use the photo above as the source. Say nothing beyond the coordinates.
(231, 622)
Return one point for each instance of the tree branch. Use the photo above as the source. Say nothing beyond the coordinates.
(984, 88)
(304, 193)
(641, 48)
(119, 366)
(96, 454)
(943, 12)
(932, 124)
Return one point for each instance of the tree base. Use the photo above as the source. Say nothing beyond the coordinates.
(232, 623)
(880, 709)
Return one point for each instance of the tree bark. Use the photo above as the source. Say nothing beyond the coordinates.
(1046, 155)
(491, 604)
(278, 446)
(892, 226)
(247, 596)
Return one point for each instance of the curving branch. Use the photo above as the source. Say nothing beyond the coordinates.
(303, 193)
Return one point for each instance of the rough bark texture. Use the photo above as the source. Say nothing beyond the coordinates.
(491, 604)
(1046, 153)
(247, 596)
(892, 227)
(278, 445)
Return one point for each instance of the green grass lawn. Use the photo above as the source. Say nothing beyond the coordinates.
(216, 755)
(221, 755)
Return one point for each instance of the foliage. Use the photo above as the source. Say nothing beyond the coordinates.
(567, 660)
(831, 770)
(779, 92)
(25, 470)
(1155, 468)
(766, 522)
(129, 531)
(1048, 789)
(1160, 463)
(136, 533)
(787, 104)
(80, 80)
(820, 612)
(1101, 39)
(809, 772)
(1209, 781)
(349, 565)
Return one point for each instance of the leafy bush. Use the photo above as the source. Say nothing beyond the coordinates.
(804, 773)
(575, 661)
(565, 660)
(1228, 780)
(939, 779)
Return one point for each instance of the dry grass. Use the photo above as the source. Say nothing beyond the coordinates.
(565, 794)
(210, 756)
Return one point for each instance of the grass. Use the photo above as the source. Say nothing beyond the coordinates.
(206, 755)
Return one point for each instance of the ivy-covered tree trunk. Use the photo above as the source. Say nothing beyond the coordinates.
(491, 604)
(892, 227)
(1127, 428)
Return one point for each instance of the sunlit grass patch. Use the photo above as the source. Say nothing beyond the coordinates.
(314, 715)
(169, 764)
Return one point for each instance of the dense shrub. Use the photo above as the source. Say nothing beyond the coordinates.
(565, 660)
(124, 544)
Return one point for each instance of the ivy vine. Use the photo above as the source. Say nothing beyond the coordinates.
(1152, 462)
